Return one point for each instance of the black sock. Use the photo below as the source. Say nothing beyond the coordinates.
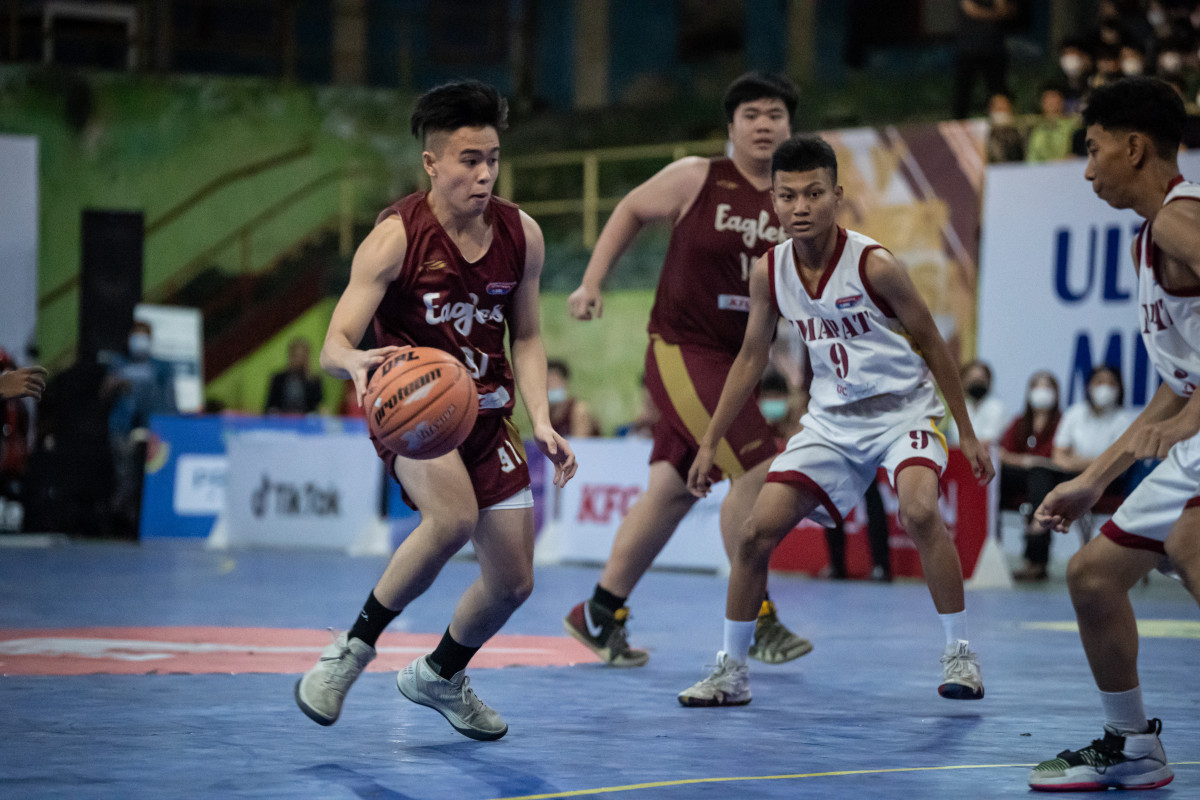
(371, 621)
(607, 600)
(450, 657)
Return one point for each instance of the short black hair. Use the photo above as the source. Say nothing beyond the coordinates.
(804, 152)
(773, 381)
(1139, 104)
(759, 86)
(463, 104)
(559, 366)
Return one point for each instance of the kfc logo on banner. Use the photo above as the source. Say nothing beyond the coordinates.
(599, 502)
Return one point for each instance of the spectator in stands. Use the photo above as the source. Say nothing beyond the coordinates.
(1089, 427)
(987, 412)
(1004, 143)
(1050, 137)
(1075, 71)
(569, 416)
(295, 390)
(136, 386)
(980, 49)
(642, 426)
(1108, 66)
(1133, 60)
(1027, 469)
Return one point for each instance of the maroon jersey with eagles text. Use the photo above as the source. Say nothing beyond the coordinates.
(441, 300)
(703, 295)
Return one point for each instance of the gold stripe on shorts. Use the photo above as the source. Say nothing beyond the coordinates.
(688, 405)
(941, 436)
(514, 436)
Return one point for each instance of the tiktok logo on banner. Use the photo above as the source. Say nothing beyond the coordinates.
(293, 500)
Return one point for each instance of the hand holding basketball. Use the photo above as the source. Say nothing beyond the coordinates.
(421, 403)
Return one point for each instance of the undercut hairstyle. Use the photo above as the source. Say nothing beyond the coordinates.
(464, 104)
(760, 86)
(804, 152)
(1139, 104)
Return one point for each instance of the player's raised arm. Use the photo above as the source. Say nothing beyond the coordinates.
(743, 376)
(664, 197)
(377, 263)
(892, 281)
(529, 355)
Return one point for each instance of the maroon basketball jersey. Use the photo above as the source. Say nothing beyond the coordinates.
(441, 300)
(703, 295)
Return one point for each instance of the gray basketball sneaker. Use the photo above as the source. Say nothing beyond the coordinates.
(322, 690)
(454, 699)
(728, 685)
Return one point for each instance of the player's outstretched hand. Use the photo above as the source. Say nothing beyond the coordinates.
(1153, 441)
(23, 382)
(359, 364)
(585, 303)
(699, 482)
(979, 458)
(555, 448)
(1066, 503)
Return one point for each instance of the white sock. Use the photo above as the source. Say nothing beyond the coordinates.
(738, 636)
(1124, 710)
(955, 626)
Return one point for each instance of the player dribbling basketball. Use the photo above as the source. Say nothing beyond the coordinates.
(457, 269)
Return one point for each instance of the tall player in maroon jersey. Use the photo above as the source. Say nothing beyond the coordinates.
(457, 269)
(723, 219)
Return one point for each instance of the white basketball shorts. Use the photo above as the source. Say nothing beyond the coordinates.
(839, 451)
(1152, 509)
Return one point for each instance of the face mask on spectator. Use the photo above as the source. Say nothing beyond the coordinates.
(1156, 17)
(1042, 398)
(1072, 65)
(556, 395)
(1170, 62)
(1001, 119)
(139, 345)
(977, 390)
(1131, 66)
(1103, 396)
(773, 410)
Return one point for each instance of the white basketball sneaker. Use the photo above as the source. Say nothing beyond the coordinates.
(454, 699)
(728, 685)
(322, 690)
(1128, 761)
(961, 679)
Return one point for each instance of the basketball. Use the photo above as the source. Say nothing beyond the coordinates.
(421, 403)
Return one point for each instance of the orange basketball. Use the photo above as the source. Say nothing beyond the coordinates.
(421, 403)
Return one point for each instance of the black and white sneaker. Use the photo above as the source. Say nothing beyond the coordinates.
(1129, 761)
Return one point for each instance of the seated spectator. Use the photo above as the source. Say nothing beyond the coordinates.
(295, 390)
(1108, 66)
(642, 426)
(1075, 71)
(778, 406)
(986, 411)
(1027, 469)
(568, 416)
(1050, 137)
(1089, 427)
(1004, 142)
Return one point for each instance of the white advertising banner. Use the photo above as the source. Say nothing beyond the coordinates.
(288, 490)
(612, 474)
(18, 243)
(1057, 289)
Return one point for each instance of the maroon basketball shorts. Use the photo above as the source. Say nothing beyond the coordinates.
(493, 455)
(685, 384)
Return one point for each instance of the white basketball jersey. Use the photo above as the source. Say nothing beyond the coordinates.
(856, 346)
(1170, 320)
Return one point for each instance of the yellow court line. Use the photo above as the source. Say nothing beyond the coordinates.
(689, 781)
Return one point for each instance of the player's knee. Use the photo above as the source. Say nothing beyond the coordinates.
(1084, 580)
(455, 527)
(515, 592)
(920, 517)
(757, 541)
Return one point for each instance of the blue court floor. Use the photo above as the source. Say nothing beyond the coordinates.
(857, 718)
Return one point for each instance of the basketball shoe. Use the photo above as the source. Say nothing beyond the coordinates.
(962, 679)
(1129, 761)
(454, 699)
(603, 632)
(728, 685)
(321, 690)
(774, 643)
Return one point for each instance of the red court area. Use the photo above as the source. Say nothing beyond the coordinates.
(207, 650)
